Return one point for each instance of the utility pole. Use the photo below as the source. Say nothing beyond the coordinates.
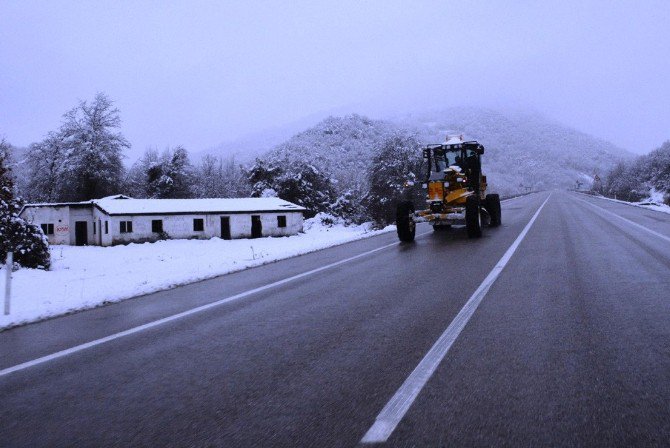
(8, 280)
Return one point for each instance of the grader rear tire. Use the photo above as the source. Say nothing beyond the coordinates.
(493, 207)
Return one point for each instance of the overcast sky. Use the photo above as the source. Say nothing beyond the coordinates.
(200, 73)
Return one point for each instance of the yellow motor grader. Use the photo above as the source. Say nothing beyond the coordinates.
(456, 191)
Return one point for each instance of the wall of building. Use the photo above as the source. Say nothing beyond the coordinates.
(84, 214)
(175, 226)
(181, 226)
(58, 216)
(102, 237)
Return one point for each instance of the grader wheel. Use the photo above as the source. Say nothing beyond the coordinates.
(473, 217)
(405, 221)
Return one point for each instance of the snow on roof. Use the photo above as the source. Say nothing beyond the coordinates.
(128, 206)
(124, 205)
(454, 139)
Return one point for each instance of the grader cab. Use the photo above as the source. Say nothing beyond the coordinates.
(455, 192)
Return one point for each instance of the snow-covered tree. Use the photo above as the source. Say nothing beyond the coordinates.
(349, 207)
(623, 182)
(176, 175)
(263, 175)
(93, 166)
(216, 177)
(297, 182)
(83, 159)
(656, 166)
(634, 180)
(26, 240)
(136, 180)
(397, 160)
(169, 175)
(47, 160)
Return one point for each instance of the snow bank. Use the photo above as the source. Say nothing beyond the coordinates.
(649, 204)
(86, 277)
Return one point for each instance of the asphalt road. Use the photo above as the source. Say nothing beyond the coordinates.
(570, 346)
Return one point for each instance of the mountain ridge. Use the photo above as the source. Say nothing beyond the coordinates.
(524, 150)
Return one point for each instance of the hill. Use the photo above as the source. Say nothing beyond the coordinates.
(523, 149)
(339, 146)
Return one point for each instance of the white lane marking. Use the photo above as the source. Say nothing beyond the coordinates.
(511, 199)
(520, 196)
(402, 400)
(155, 323)
(633, 223)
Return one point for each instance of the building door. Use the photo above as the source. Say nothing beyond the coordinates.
(99, 232)
(225, 227)
(256, 226)
(81, 233)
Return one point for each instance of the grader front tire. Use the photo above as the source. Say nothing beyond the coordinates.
(405, 221)
(473, 217)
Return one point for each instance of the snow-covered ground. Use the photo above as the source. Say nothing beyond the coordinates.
(654, 202)
(85, 277)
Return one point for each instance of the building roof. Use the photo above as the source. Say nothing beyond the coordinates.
(124, 205)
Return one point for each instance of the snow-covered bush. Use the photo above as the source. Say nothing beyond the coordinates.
(323, 219)
(644, 177)
(26, 240)
(625, 181)
(350, 207)
(656, 165)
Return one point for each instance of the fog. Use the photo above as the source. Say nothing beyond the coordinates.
(201, 73)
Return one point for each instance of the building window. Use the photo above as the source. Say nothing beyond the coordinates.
(281, 221)
(106, 227)
(198, 225)
(48, 229)
(126, 226)
(93, 227)
(157, 225)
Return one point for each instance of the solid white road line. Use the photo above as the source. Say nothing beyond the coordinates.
(633, 223)
(515, 197)
(199, 309)
(397, 407)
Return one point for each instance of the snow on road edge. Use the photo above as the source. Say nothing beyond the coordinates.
(647, 205)
(87, 277)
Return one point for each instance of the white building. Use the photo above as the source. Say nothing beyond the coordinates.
(120, 219)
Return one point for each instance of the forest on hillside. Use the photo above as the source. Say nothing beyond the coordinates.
(644, 178)
(352, 168)
(523, 150)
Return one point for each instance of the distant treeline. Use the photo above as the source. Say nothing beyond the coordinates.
(351, 167)
(83, 160)
(645, 177)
